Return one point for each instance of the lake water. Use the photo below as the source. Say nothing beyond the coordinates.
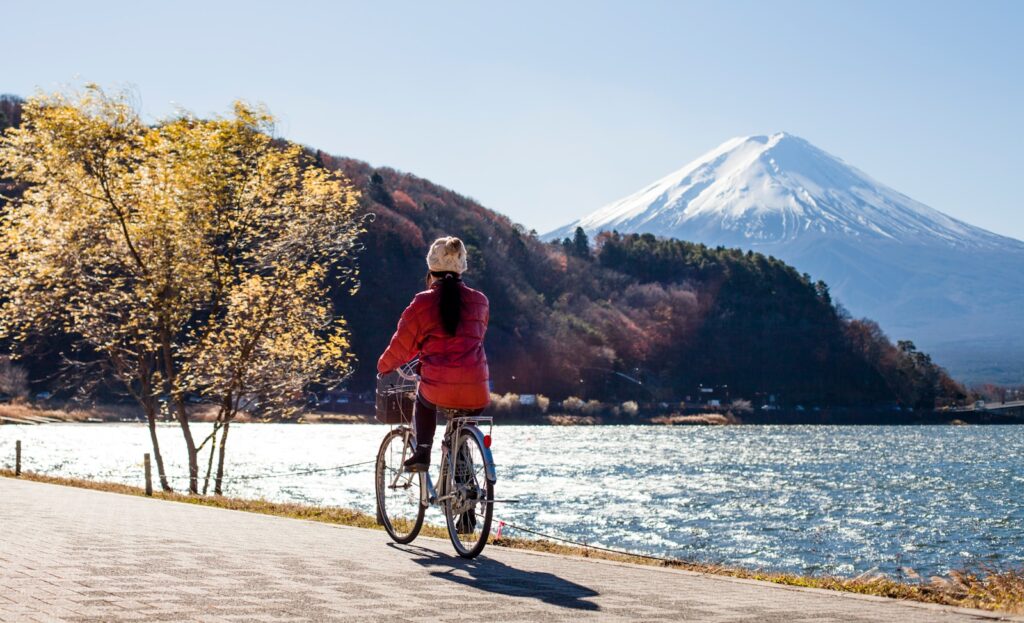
(809, 499)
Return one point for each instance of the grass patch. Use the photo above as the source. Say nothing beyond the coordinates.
(987, 589)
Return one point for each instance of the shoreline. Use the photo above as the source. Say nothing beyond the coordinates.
(997, 591)
(21, 415)
(28, 413)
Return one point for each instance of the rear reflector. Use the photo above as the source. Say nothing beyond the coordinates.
(487, 441)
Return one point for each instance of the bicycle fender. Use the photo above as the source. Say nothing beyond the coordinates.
(492, 474)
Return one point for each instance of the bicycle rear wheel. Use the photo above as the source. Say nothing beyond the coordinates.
(398, 492)
(468, 509)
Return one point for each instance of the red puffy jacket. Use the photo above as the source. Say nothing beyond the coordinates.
(453, 368)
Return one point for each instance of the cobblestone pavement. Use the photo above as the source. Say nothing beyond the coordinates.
(75, 555)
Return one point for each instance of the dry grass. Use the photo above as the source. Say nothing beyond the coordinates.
(988, 589)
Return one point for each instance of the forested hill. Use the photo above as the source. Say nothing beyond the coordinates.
(573, 319)
(626, 318)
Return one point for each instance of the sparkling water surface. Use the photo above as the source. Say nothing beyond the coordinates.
(808, 499)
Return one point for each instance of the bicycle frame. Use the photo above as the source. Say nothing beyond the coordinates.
(429, 495)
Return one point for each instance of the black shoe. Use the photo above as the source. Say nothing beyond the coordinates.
(419, 461)
(466, 523)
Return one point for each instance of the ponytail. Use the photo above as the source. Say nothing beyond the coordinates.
(451, 300)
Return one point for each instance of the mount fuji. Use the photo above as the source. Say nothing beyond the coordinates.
(955, 289)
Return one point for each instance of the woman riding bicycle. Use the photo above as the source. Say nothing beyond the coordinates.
(444, 325)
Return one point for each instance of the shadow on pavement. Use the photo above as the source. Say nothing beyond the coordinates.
(489, 575)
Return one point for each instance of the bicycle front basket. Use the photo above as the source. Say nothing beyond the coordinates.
(395, 400)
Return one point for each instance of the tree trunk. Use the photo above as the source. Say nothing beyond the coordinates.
(151, 419)
(217, 489)
(209, 461)
(175, 397)
(190, 446)
(193, 454)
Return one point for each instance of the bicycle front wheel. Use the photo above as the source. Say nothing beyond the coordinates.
(398, 492)
(469, 501)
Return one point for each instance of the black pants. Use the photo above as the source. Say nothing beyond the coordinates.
(424, 420)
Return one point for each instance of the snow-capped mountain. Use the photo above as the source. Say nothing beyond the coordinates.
(954, 288)
(774, 189)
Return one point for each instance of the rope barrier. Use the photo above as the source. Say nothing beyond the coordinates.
(508, 524)
(301, 472)
(253, 476)
(502, 523)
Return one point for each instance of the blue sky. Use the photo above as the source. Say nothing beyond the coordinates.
(548, 110)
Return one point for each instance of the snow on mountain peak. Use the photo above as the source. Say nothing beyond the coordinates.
(774, 188)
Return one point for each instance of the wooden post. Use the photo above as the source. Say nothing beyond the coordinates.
(17, 458)
(149, 475)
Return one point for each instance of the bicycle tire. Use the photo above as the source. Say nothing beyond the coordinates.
(382, 471)
(472, 549)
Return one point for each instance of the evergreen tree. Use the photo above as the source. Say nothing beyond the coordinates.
(378, 192)
(821, 289)
(580, 243)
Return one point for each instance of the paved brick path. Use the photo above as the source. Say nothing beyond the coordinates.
(75, 555)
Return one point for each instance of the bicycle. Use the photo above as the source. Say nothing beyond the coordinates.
(466, 479)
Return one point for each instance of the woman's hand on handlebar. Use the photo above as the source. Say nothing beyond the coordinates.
(409, 376)
(409, 370)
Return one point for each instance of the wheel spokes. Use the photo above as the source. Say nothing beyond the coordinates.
(468, 511)
(400, 497)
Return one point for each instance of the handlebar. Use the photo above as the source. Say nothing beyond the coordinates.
(407, 371)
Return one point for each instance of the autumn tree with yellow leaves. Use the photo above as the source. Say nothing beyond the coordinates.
(193, 255)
